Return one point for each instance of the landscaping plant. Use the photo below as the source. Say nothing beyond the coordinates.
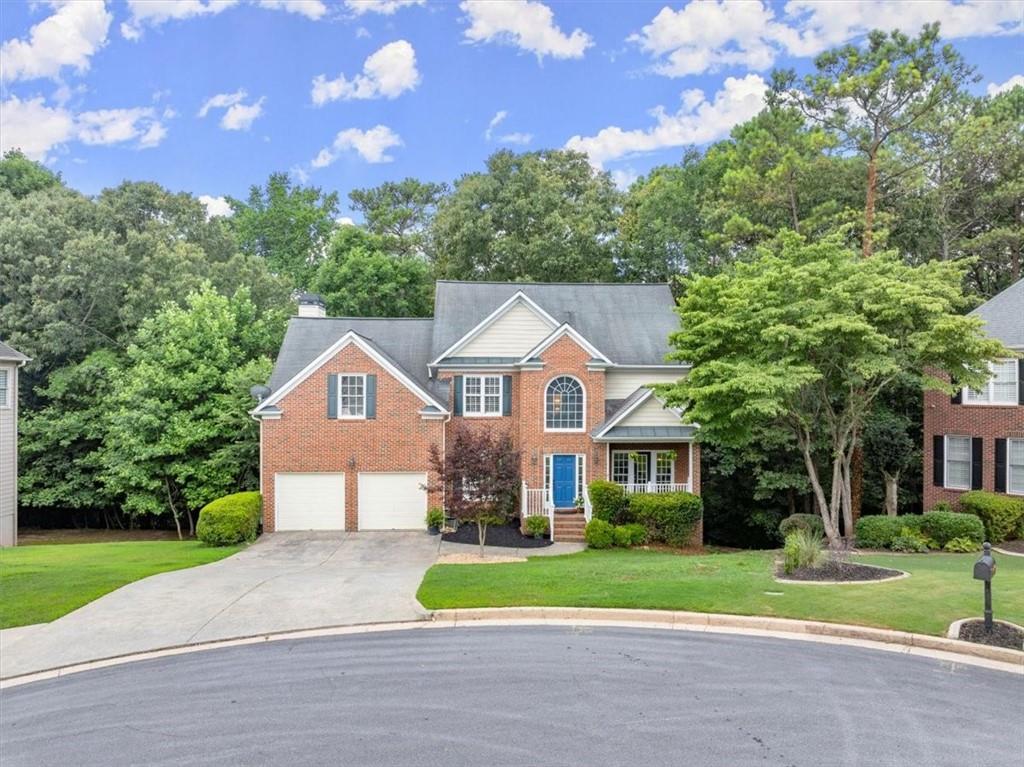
(630, 535)
(608, 500)
(668, 517)
(599, 534)
(909, 541)
(230, 520)
(944, 526)
(1000, 514)
(538, 526)
(435, 518)
(479, 476)
(809, 522)
(802, 549)
(962, 545)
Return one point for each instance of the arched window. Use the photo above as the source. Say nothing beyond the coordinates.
(563, 404)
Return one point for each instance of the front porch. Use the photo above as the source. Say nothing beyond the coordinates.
(637, 468)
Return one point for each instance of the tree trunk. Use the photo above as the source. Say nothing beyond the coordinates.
(892, 486)
(867, 240)
(191, 523)
(174, 509)
(481, 531)
(856, 485)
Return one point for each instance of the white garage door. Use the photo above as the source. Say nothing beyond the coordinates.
(392, 501)
(314, 501)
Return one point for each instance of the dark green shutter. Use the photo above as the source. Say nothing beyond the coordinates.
(938, 460)
(957, 398)
(371, 395)
(977, 445)
(457, 405)
(1000, 466)
(1020, 381)
(506, 395)
(332, 395)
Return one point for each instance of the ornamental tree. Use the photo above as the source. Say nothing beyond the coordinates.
(478, 473)
(806, 336)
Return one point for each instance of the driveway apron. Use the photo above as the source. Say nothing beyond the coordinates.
(283, 582)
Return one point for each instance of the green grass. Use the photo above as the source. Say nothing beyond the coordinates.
(41, 583)
(939, 591)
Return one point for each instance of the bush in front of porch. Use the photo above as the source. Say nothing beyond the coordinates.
(669, 518)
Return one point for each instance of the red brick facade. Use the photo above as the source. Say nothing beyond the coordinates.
(989, 422)
(304, 439)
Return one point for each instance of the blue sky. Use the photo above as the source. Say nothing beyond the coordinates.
(350, 94)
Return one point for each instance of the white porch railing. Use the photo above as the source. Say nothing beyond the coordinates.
(656, 487)
(536, 502)
(588, 510)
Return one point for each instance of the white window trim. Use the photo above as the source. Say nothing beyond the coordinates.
(544, 406)
(945, 461)
(1009, 466)
(989, 390)
(652, 467)
(482, 413)
(342, 417)
(549, 470)
(8, 401)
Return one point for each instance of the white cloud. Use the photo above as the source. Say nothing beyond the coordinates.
(311, 9)
(387, 73)
(153, 13)
(383, 7)
(117, 126)
(371, 145)
(697, 121)
(237, 115)
(708, 35)
(623, 178)
(500, 115)
(345, 221)
(515, 138)
(528, 25)
(33, 127)
(994, 89)
(215, 206)
(68, 38)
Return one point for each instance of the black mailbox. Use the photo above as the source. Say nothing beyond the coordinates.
(985, 567)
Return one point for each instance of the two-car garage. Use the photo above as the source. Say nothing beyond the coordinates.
(316, 500)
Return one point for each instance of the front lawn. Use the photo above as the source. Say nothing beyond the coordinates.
(41, 583)
(939, 591)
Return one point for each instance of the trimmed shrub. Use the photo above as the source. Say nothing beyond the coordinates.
(944, 526)
(962, 545)
(608, 500)
(942, 506)
(999, 513)
(802, 549)
(537, 526)
(230, 520)
(668, 517)
(599, 534)
(909, 541)
(878, 531)
(810, 522)
(630, 535)
(435, 517)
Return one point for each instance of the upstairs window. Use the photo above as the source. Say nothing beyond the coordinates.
(563, 405)
(4, 401)
(1001, 389)
(351, 396)
(481, 395)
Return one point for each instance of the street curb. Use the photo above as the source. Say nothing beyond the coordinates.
(948, 650)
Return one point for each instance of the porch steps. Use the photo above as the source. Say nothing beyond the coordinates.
(569, 525)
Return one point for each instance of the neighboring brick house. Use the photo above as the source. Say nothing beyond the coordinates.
(354, 404)
(11, 360)
(975, 440)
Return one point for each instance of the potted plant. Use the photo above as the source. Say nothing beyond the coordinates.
(435, 519)
(537, 526)
(579, 503)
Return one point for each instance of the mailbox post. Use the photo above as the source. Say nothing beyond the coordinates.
(985, 570)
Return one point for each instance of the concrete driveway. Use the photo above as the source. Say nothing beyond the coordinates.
(285, 581)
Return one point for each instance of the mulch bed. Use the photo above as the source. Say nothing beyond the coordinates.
(1017, 547)
(1002, 635)
(499, 536)
(35, 536)
(834, 570)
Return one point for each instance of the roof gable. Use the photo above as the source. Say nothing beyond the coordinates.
(511, 331)
(564, 330)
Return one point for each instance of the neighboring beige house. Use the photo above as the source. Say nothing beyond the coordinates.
(10, 361)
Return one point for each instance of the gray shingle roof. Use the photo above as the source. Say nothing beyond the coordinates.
(1004, 315)
(405, 342)
(629, 323)
(665, 433)
(10, 353)
(622, 406)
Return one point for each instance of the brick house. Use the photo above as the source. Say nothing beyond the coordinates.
(975, 440)
(354, 404)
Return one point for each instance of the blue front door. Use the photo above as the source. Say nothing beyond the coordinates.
(563, 483)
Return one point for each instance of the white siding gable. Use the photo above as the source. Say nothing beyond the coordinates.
(651, 413)
(512, 334)
(619, 384)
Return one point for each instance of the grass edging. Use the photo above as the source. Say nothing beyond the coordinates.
(713, 621)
